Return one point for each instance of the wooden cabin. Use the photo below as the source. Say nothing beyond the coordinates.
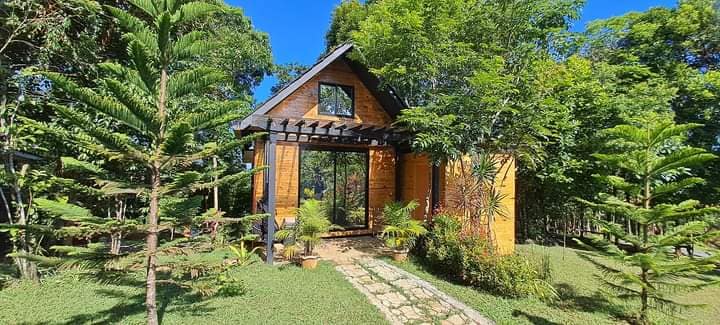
(329, 136)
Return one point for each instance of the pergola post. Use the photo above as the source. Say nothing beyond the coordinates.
(270, 238)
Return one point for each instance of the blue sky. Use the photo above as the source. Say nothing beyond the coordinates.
(297, 27)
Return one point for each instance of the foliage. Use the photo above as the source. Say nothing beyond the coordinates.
(647, 165)
(471, 260)
(346, 18)
(147, 99)
(401, 230)
(285, 74)
(311, 224)
(582, 298)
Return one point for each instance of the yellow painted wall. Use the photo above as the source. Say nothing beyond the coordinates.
(504, 224)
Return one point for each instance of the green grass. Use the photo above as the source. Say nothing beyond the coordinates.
(275, 295)
(581, 298)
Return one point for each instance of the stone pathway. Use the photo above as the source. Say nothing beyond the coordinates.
(403, 297)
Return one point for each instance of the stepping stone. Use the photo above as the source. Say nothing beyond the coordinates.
(378, 287)
(386, 273)
(420, 293)
(393, 299)
(404, 298)
(405, 284)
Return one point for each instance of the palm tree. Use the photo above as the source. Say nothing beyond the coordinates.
(401, 229)
(144, 96)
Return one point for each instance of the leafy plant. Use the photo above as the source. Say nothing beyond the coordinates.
(471, 260)
(145, 97)
(243, 256)
(401, 230)
(647, 164)
(311, 224)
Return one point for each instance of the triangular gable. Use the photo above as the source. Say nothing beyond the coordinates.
(386, 98)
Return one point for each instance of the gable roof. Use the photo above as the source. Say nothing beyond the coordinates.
(387, 97)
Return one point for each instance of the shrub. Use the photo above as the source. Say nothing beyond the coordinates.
(511, 275)
(401, 230)
(443, 251)
(470, 260)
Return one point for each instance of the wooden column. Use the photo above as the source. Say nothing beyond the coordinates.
(270, 150)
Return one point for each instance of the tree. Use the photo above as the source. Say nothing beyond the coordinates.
(346, 18)
(35, 33)
(647, 168)
(145, 98)
(679, 45)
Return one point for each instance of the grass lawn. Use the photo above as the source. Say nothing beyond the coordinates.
(582, 301)
(275, 295)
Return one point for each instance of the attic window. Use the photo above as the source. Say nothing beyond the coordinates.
(336, 100)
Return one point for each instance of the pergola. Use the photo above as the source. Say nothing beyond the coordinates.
(311, 131)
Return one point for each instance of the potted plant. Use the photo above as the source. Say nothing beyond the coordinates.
(311, 224)
(401, 229)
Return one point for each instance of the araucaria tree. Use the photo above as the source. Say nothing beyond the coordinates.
(145, 97)
(647, 168)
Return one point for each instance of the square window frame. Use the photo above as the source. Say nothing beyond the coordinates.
(352, 106)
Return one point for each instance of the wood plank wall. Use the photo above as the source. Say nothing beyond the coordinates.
(258, 183)
(382, 183)
(303, 103)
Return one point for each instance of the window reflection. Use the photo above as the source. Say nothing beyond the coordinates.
(339, 180)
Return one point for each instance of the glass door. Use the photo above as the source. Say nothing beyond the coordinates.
(338, 178)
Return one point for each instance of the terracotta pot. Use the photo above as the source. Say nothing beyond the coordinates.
(309, 262)
(400, 255)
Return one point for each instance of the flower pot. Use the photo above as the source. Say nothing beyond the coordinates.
(309, 262)
(399, 255)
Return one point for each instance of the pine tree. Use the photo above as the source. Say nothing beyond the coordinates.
(144, 97)
(649, 163)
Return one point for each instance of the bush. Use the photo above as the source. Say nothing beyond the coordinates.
(471, 261)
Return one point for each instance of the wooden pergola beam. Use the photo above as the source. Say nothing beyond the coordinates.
(310, 128)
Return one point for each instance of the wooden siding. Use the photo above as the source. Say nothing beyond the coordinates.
(382, 183)
(416, 182)
(504, 226)
(287, 183)
(303, 103)
(258, 182)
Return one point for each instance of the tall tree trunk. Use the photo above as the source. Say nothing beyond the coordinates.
(152, 237)
(152, 244)
(644, 298)
(116, 237)
(216, 198)
(27, 269)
